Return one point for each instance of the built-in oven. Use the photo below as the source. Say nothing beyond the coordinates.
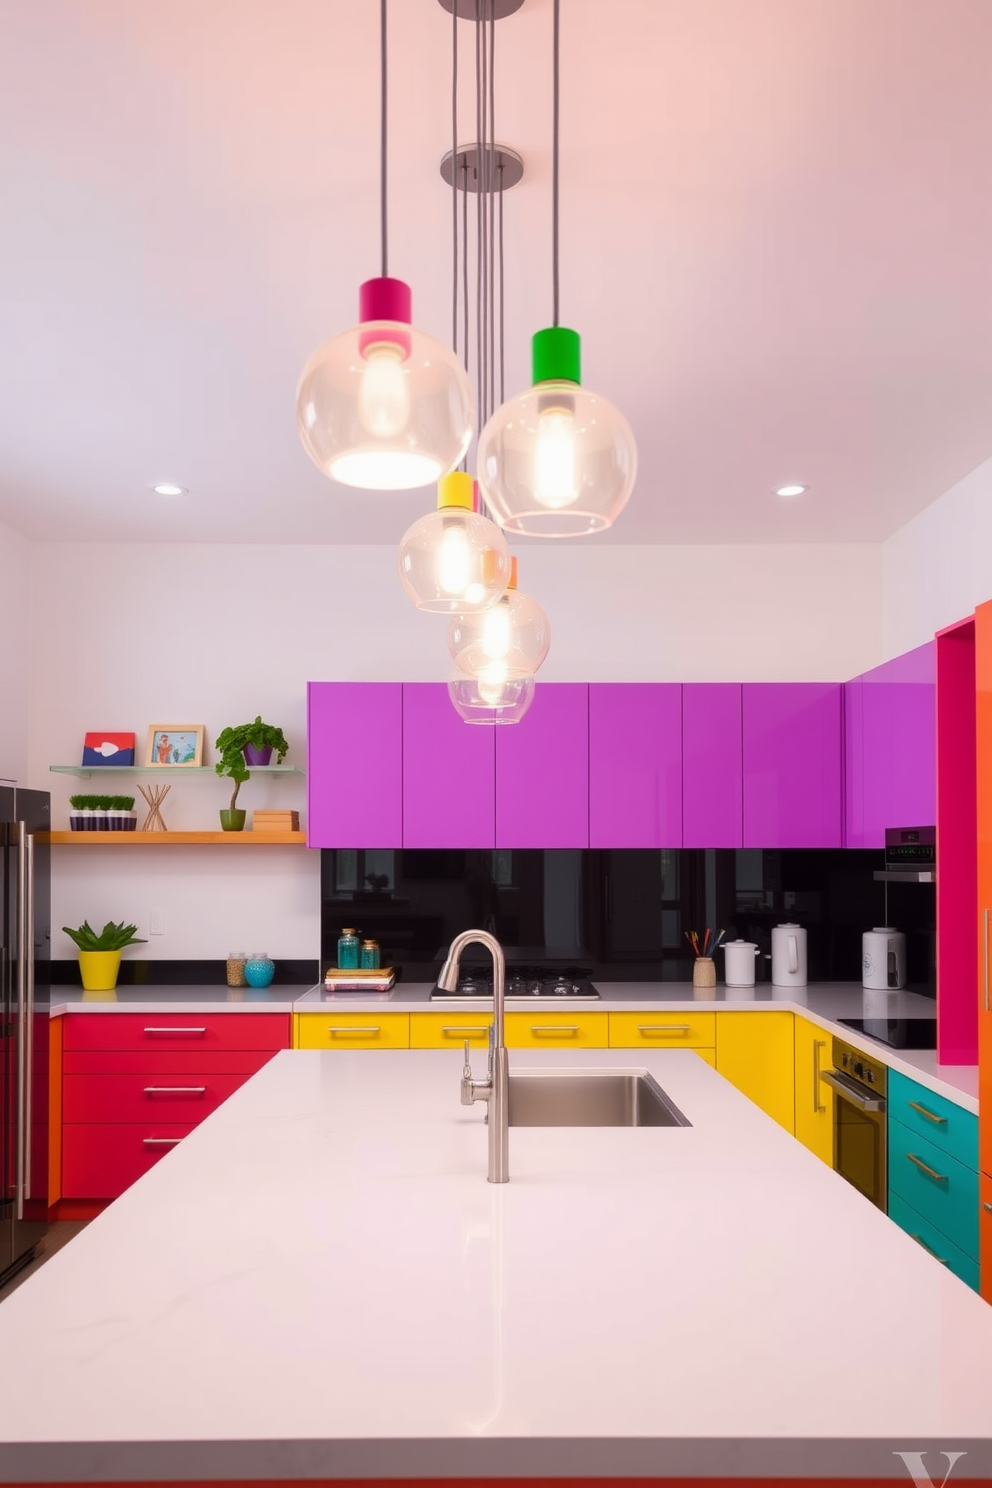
(859, 1086)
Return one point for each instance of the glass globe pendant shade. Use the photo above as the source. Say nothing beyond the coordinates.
(505, 642)
(490, 704)
(557, 460)
(454, 560)
(383, 406)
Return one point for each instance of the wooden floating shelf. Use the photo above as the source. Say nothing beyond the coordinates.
(174, 839)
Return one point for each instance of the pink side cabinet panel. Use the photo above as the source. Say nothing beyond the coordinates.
(957, 847)
(712, 768)
(355, 764)
(792, 764)
(635, 764)
(900, 746)
(854, 763)
(449, 773)
(542, 771)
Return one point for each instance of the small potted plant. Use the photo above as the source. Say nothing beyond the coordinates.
(100, 955)
(121, 816)
(79, 813)
(246, 744)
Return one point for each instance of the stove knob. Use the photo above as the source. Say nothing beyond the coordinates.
(870, 1076)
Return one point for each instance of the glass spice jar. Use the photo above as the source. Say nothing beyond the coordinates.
(236, 968)
(348, 950)
(370, 955)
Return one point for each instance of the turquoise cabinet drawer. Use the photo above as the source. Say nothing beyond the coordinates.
(938, 1187)
(948, 1126)
(927, 1235)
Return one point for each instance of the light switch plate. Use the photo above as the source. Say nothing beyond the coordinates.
(156, 922)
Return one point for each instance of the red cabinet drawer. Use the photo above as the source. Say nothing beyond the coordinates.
(172, 1031)
(100, 1162)
(187, 1098)
(165, 1062)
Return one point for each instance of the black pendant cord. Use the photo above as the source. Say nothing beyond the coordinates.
(502, 367)
(491, 197)
(479, 357)
(383, 122)
(556, 69)
(454, 179)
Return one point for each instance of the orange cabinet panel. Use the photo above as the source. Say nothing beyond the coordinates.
(985, 1234)
(983, 740)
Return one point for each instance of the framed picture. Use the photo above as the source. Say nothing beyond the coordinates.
(104, 748)
(173, 746)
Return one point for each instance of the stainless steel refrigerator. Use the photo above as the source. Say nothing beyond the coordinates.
(25, 958)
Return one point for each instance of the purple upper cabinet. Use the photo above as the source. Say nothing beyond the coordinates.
(712, 773)
(792, 764)
(449, 773)
(542, 771)
(854, 763)
(355, 764)
(635, 764)
(900, 744)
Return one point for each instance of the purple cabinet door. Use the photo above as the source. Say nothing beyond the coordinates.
(355, 764)
(854, 763)
(900, 744)
(792, 764)
(449, 773)
(712, 771)
(635, 764)
(542, 771)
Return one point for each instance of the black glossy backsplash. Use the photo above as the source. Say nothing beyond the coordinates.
(621, 914)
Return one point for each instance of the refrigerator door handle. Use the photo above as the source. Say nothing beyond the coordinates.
(29, 952)
(22, 999)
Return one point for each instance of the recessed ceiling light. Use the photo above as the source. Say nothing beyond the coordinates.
(166, 488)
(790, 490)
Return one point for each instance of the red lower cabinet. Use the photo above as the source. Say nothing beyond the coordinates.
(134, 1085)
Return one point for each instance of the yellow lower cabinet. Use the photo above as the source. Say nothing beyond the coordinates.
(449, 1030)
(540, 1030)
(662, 1030)
(755, 1051)
(814, 1098)
(353, 1031)
(709, 1055)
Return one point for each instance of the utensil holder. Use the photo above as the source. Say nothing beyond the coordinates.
(703, 972)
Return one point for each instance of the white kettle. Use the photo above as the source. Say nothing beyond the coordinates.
(738, 962)
(883, 959)
(788, 956)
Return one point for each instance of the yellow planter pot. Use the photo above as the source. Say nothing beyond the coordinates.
(99, 969)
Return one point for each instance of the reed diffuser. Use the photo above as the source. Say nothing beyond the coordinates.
(703, 969)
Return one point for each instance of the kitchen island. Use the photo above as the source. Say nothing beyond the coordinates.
(319, 1283)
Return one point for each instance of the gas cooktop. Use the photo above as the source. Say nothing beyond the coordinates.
(526, 981)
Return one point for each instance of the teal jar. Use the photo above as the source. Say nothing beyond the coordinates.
(259, 969)
(348, 950)
(370, 955)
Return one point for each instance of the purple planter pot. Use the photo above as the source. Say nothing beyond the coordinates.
(255, 756)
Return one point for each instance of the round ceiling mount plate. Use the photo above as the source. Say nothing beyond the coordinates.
(481, 10)
(508, 167)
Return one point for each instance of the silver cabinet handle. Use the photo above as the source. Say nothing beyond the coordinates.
(554, 1028)
(818, 1044)
(453, 1031)
(22, 1017)
(929, 1250)
(174, 1030)
(937, 1120)
(175, 1089)
(924, 1168)
(664, 1028)
(161, 1141)
(341, 1032)
(986, 1206)
(985, 943)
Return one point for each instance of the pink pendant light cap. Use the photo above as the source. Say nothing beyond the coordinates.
(385, 299)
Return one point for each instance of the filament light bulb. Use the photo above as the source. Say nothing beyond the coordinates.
(454, 561)
(496, 631)
(555, 484)
(384, 398)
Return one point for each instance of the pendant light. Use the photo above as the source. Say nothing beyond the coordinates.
(504, 643)
(488, 703)
(384, 406)
(557, 460)
(454, 560)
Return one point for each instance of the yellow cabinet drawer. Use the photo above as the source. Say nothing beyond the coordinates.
(353, 1031)
(663, 1030)
(444, 1030)
(540, 1030)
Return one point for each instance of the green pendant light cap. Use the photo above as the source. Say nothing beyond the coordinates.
(556, 355)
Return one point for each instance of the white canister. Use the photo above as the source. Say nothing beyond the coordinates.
(788, 956)
(883, 959)
(738, 962)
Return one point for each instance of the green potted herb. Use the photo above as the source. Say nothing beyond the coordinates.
(246, 744)
(100, 955)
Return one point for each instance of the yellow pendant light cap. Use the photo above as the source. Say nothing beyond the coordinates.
(512, 581)
(456, 490)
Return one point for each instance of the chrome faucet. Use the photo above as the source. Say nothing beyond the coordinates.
(496, 1087)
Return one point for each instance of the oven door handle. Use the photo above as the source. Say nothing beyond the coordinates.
(851, 1091)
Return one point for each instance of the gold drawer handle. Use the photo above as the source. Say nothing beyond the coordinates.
(161, 1141)
(937, 1120)
(664, 1028)
(454, 1032)
(929, 1250)
(342, 1032)
(557, 1028)
(987, 1207)
(930, 1172)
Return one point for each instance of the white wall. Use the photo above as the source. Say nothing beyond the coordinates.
(15, 654)
(132, 635)
(937, 568)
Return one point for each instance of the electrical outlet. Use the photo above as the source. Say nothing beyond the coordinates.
(156, 922)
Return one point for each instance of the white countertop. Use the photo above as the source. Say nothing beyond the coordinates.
(193, 999)
(634, 1301)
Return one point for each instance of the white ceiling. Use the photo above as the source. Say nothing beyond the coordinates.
(776, 243)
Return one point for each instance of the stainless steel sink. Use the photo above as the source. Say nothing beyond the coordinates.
(590, 1098)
